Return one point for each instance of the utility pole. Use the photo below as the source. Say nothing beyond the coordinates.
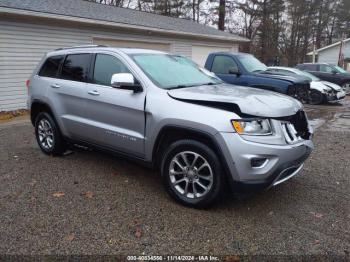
(314, 50)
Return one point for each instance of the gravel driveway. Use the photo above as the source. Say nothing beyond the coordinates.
(92, 203)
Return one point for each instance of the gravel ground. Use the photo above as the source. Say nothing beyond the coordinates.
(92, 203)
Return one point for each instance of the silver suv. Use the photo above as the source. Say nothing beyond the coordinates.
(169, 113)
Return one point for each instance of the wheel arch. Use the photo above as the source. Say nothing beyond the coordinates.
(170, 133)
(37, 107)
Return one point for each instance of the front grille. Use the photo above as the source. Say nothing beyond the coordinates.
(289, 132)
(295, 127)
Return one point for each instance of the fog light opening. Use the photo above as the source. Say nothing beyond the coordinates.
(258, 162)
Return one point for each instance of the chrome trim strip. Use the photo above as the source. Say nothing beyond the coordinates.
(277, 182)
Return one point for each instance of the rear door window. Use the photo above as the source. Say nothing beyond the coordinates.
(310, 67)
(223, 64)
(105, 67)
(76, 67)
(51, 66)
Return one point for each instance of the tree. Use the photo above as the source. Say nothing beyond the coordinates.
(285, 28)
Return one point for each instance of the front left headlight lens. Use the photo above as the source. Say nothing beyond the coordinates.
(253, 127)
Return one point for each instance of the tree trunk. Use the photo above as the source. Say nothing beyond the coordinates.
(222, 13)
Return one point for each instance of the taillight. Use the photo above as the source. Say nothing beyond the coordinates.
(28, 83)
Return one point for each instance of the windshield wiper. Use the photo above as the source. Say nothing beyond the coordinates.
(185, 86)
(179, 86)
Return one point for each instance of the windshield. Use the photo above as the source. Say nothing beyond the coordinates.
(171, 71)
(339, 69)
(311, 76)
(252, 64)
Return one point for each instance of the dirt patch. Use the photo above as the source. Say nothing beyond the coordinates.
(10, 115)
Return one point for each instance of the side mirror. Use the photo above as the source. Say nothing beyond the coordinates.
(125, 81)
(334, 72)
(234, 71)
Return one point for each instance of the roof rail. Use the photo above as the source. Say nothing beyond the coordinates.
(80, 46)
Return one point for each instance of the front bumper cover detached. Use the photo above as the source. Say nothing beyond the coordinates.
(282, 174)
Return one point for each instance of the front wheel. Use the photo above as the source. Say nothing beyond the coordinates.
(316, 97)
(192, 173)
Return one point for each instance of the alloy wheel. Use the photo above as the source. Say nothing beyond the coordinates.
(45, 134)
(190, 174)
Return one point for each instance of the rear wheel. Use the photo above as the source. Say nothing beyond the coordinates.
(192, 173)
(316, 97)
(48, 135)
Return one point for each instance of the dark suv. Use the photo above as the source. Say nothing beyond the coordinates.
(328, 72)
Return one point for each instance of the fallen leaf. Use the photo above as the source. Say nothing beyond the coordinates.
(232, 258)
(317, 242)
(138, 232)
(33, 182)
(70, 237)
(316, 215)
(58, 194)
(88, 194)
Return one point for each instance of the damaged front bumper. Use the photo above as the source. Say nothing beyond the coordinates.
(256, 166)
(335, 96)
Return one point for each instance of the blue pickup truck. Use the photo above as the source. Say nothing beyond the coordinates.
(245, 70)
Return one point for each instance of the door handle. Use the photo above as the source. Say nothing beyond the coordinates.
(55, 86)
(94, 93)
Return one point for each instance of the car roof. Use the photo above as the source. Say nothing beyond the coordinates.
(231, 53)
(316, 64)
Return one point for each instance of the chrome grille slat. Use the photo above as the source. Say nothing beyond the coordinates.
(290, 133)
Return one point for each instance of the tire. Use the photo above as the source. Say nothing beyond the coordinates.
(303, 96)
(48, 135)
(205, 171)
(316, 97)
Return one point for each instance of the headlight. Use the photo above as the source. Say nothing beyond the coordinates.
(253, 127)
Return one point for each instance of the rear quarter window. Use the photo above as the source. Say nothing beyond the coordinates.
(51, 66)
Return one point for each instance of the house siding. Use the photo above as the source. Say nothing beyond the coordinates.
(22, 46)
(331, 55)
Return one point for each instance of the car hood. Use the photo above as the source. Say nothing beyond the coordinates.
(292, 79)
(332, 85)
(250, 101)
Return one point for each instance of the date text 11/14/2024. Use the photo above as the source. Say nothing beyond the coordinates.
(173, 258)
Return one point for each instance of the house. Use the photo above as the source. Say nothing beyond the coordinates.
(330, 53)
(29, 29)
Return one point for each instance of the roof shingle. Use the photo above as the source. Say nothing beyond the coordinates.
(90, 10)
